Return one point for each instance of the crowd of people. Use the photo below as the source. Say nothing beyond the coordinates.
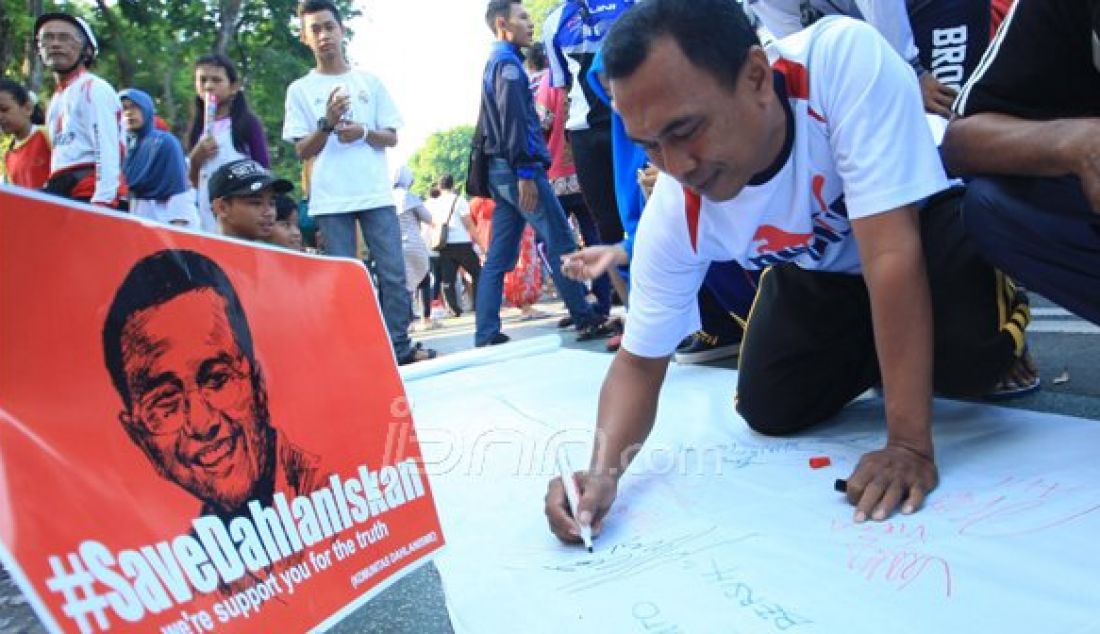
(94, 144)
(846, 194)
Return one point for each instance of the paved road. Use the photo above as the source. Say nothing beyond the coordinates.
(1067, 350)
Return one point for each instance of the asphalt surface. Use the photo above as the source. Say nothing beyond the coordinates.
(1066, 350)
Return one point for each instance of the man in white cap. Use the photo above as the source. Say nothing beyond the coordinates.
(83, 115)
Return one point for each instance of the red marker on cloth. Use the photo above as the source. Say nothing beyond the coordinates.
(820, 462)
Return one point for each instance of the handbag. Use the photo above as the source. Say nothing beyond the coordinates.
(440, 240)
(477, 166)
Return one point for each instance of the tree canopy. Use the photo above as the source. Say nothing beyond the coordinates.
(445, 152)
(538, 10)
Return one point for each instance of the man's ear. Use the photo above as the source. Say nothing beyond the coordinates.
(218, 206)
(757, 72)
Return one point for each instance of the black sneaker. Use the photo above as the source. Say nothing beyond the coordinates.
(496, 340)
(417, 353)
(706, 347)
(595, 331)
(565, 322)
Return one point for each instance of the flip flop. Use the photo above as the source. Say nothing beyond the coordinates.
(1004, 391)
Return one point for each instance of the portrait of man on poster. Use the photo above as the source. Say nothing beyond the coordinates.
(179, 350)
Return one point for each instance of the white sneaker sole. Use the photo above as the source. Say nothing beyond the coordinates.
(712, 354)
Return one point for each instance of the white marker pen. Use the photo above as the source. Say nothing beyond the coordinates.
(574, 497)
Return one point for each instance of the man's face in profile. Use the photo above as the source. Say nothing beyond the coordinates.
(708, 136)
(195, 410)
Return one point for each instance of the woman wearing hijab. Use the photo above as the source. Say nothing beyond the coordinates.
(410, 214)
(154, 166)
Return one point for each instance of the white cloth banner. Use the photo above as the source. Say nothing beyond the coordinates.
(719, 529)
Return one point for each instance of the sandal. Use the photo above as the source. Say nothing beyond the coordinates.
(1022, 379)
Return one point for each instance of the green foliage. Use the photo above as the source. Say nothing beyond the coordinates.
(445, 152)
(15, 28)
(539, 9)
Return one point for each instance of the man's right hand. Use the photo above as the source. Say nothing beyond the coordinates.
(647, 179)
(204, 150)
(592, 262)
(337, 106)
(528, 195)
(597, 493)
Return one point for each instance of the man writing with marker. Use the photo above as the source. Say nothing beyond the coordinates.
(786, 159)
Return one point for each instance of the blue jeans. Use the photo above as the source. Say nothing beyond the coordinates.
(382, 233)
(548, 221)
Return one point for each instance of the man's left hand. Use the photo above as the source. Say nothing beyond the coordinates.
(349, 132)
(887, 478)
(938, 98)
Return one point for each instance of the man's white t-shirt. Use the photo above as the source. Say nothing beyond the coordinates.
(441, 208)
(352, 176)
(860, 147)
(83, 121)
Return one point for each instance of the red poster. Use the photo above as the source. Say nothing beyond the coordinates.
(196, 435)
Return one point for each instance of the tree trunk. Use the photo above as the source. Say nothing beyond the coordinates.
(32, 63)
(171, 108)
(230, 16)
(122, 56)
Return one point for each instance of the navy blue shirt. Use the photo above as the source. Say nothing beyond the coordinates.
(512, 130)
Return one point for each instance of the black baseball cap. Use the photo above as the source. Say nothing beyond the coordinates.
(244, 177)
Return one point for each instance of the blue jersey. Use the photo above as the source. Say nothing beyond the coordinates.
(572, 34)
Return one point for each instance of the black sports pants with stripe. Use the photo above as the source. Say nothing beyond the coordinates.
(809, 348)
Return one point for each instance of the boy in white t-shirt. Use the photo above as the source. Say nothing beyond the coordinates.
(810, 160)
(344, 119)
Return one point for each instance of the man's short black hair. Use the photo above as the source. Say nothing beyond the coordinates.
(447, 182)
(159, 278)
(498, 9)
(316, 6)
(714, 34)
